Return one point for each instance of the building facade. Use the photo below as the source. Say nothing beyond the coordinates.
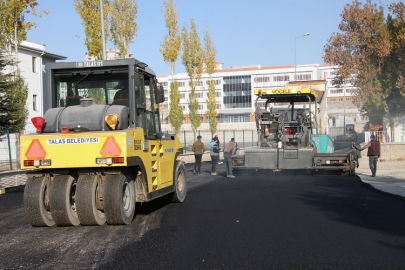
(32, 59)
(235, 89)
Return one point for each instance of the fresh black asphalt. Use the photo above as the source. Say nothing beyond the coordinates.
(250, 222)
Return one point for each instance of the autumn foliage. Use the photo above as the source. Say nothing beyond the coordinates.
(370, 52)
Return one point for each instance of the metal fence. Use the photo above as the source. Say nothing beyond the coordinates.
(8, 150)
(337, 133)
(244, 138)
(381, 136)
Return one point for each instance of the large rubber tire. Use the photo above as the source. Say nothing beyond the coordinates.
(62, 200)
(119, 199)
(180, 183)
(36, 202)
(87, 193)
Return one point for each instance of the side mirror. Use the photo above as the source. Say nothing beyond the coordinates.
(160, 95)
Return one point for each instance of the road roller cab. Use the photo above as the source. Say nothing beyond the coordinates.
(99, 148)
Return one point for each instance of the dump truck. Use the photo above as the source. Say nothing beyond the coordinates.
(288, 137)
(99, 148)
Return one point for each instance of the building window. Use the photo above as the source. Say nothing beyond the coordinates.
(182, 95)
(199, 95)
(304, 77)
(219, 106)
(237, 92)
(34, 64)
(34, 102)
(261, 79)
(216, 82)
(181, 84)
(332, 73)
(218, 94)
(281, 78)
(163, 84)
(200, 107)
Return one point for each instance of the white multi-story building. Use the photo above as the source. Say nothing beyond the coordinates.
(32, 58)
(235, 88)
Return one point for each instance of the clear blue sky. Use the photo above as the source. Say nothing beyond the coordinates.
(244, 32)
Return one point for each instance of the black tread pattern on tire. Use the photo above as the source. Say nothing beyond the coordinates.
(113, 200)
(180, 171)
(59, 200)
(86, 201)
(35, 211)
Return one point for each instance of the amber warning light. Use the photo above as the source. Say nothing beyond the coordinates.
(38, 122)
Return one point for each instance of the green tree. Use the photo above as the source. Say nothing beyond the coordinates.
(170, 48)
(192, 59)
(13, 96)
(123, 26)
(365, 56)
(14, 27)
(97, 94)
(90, 13)
(175, 112)
(210, 67)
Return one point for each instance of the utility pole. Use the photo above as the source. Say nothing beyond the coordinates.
(102, 29)
(295, 52)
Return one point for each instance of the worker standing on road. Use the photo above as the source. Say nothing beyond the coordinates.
(216, 136)
(229, 151)
(214, 154)
(373, 153)
(198, 149)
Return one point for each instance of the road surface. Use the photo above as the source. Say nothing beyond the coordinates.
(251, 222)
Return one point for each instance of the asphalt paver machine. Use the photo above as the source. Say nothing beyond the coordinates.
(288, 138)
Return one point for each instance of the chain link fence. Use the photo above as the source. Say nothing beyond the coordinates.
(8, 150)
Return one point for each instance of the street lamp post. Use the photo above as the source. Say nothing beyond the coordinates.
(102, 30)
(295, 43)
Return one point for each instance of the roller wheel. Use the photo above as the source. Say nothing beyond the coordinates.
(36, 202)
(180, 183)
(62, 199)
(88, 200)
(119, 199)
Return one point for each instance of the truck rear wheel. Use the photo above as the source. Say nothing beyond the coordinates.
(87, 195)
(36, 202)
(62, 200)
(180, 183)
(119, 199)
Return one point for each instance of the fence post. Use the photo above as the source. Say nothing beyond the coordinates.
(243, 132)
(224, 136)
(185, 145)
(9, 150)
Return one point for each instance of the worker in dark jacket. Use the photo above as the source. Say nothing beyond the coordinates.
(373, 153)
(198, 149)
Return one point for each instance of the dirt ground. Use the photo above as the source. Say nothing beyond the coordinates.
(389, 165)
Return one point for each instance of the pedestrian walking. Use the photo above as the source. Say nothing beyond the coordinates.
(198, 149)
(373, 153)
(229, 151)
(214, 155)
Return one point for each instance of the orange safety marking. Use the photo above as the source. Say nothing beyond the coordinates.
(35, 150)
(110, 148)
